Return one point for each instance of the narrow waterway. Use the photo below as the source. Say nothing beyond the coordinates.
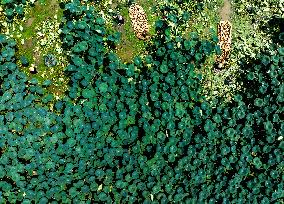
(226, 10)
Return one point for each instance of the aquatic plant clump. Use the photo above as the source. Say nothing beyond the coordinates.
(50, 60)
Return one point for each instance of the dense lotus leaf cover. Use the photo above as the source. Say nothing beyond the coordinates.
(14, 8)
(139, 132)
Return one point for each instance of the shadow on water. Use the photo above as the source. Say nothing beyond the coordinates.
(274, 27)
